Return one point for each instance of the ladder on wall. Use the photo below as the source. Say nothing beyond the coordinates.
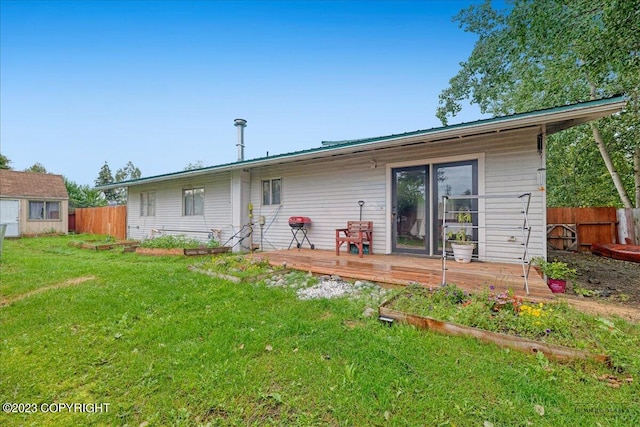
(482, 205)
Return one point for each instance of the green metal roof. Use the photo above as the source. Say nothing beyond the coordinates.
(518, 120)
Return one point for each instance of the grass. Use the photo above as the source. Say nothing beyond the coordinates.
(165, 346)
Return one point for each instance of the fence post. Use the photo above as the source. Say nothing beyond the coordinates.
(629, 225)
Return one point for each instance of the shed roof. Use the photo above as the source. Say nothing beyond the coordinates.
(31, 184)
(551, 119)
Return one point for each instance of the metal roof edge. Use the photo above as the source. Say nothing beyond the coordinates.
(616, 102)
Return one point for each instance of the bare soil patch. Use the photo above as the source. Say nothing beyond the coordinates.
(604, 285)
(71, 282)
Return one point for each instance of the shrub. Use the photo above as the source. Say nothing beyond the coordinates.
(180, 241)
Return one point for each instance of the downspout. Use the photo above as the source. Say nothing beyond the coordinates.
(542, 184)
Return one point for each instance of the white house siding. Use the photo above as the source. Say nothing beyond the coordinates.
(169, 209)
(512, 167)
(327, 191)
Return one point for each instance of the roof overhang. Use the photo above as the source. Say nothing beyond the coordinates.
(552, 120)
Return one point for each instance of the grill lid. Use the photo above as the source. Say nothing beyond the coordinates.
(299, 221)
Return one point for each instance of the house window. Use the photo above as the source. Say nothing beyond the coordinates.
(271, 191)
(148, 203)
(193, 200)
(41, 210)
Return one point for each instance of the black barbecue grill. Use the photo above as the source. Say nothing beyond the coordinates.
(300, 224)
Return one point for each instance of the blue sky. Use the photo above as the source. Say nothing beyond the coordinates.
(159, 83)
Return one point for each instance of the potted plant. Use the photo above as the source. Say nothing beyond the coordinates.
(557, 274)
(461, 242)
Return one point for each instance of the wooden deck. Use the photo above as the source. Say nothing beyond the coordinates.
(403, 270)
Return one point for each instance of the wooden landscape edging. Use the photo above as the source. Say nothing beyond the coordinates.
(207, 251)
(104, 246)
(552, 351)
(183, 251)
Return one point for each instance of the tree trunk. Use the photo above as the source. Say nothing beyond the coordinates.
(626, 201)
(617, 182)
(636, 174)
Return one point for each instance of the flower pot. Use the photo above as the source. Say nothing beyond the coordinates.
(557, 286)
(462, 253)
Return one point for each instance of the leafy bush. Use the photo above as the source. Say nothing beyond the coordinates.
(180, 241)
(555, 269)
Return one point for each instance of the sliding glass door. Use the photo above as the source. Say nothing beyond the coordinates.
(417, 203)
(454, 179)
(410, 210)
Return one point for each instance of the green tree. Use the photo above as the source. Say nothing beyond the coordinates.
(128, 172)
(5, 163)
(83, 196)
(543, 53)
(197, 165)
(105, 177)
(37, 168)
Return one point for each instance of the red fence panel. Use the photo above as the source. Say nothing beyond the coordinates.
(588, 225)
(109, 220)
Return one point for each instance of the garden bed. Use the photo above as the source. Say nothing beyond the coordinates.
(180, 245)
(515, 321)
(552, 351)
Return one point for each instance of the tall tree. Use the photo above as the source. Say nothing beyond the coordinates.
(5, 163)
(37, 168)
(83, 196)
(544, 53)
(129, 171)
(105, 177)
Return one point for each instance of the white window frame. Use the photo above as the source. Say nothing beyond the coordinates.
(148, 203)
(45, 211)
(267, 198)
(192, 192)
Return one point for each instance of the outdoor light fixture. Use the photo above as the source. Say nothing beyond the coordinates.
(540, 140)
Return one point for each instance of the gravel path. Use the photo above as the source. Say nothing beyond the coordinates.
(311, 287)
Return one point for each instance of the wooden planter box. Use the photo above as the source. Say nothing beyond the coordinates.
(182, 251)
(207, 251)
(92, 244)
(160, 251)
(551, 351)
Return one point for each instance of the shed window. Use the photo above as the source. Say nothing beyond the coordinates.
(148, 203)
(41, 210)
(271, 191)
(193, 201)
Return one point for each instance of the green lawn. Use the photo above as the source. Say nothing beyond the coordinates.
(164, 346)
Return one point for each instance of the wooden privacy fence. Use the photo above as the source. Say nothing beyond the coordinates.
(577, 228)
(110, 220)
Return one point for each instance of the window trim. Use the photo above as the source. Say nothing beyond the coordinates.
(144, 195)
(270, 182)
(45, 210)
(193, 201)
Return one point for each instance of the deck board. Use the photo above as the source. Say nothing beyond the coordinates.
(403, 270)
